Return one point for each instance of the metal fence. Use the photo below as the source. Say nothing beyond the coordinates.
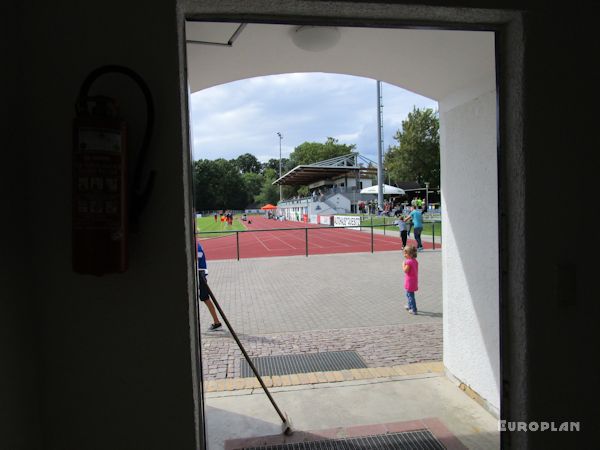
(370, 225)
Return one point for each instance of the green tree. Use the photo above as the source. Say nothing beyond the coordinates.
(230, 186)
(218, 185)
(247, 163)
(303, 191)
(269, 193)
(273, 163)
(253, 183)
(417, 155)
(204, 174)
(312, 152)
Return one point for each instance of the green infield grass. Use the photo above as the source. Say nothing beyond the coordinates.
(206, 227)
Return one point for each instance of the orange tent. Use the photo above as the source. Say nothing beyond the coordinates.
(269, 206)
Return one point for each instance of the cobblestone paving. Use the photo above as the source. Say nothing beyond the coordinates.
(290, 305)
(383, 346)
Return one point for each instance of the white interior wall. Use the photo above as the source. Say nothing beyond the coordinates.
(470, 253)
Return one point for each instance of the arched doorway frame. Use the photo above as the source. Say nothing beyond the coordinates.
(507, 27)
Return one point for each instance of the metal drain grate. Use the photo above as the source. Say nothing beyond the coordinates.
(408, 440)
(302, 363)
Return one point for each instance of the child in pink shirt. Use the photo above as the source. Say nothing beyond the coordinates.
(411, 277)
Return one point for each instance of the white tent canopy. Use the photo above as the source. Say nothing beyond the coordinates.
(387, 189)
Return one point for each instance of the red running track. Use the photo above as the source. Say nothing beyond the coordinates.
(292, 240)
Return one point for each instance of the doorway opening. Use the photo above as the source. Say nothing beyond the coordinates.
(456, 68)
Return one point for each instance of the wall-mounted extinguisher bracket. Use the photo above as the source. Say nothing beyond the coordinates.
(106, 207)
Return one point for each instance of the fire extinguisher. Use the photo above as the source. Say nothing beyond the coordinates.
(106, 206)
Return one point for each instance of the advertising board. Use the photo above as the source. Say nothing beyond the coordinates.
(346, 221)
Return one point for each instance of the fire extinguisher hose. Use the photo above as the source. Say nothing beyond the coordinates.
(139, 197)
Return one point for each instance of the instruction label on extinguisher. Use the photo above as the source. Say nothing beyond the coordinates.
(99, 198)
(94, 139)
(99, 168)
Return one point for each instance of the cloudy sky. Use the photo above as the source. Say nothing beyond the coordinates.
(245, 116)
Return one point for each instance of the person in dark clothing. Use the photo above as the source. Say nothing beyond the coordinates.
(403, 227)
(203, 294)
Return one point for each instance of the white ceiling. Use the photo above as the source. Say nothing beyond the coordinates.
(433, 63)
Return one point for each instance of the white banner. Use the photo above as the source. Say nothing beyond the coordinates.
(346, 221)
(314, 218)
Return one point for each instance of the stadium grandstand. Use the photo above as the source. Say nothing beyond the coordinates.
(334, 186)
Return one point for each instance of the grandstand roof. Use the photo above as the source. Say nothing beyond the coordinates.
(329, 168)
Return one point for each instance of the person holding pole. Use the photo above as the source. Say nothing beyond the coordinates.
(203, 295)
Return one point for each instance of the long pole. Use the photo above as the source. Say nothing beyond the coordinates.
(283, 418)
(379, 149)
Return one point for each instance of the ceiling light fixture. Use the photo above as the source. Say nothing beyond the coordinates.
(315, 39)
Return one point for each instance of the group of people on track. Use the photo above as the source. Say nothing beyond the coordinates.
(226, 217)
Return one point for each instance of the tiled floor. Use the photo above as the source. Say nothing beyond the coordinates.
(367, 402)
(322, 304)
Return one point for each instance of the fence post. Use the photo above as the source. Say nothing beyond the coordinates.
(237, 244)
(306, 240)
(371, 235)
(384, 227)
(433, 233)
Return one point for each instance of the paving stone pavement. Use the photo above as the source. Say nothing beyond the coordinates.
(290, 305)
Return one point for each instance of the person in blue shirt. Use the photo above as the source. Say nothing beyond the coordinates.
(417, 221)
(203, 294)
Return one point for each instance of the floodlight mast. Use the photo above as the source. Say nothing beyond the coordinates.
(379, 149)
(280, 187)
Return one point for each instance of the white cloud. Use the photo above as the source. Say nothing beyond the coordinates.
(244, 116)
(349, 138)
